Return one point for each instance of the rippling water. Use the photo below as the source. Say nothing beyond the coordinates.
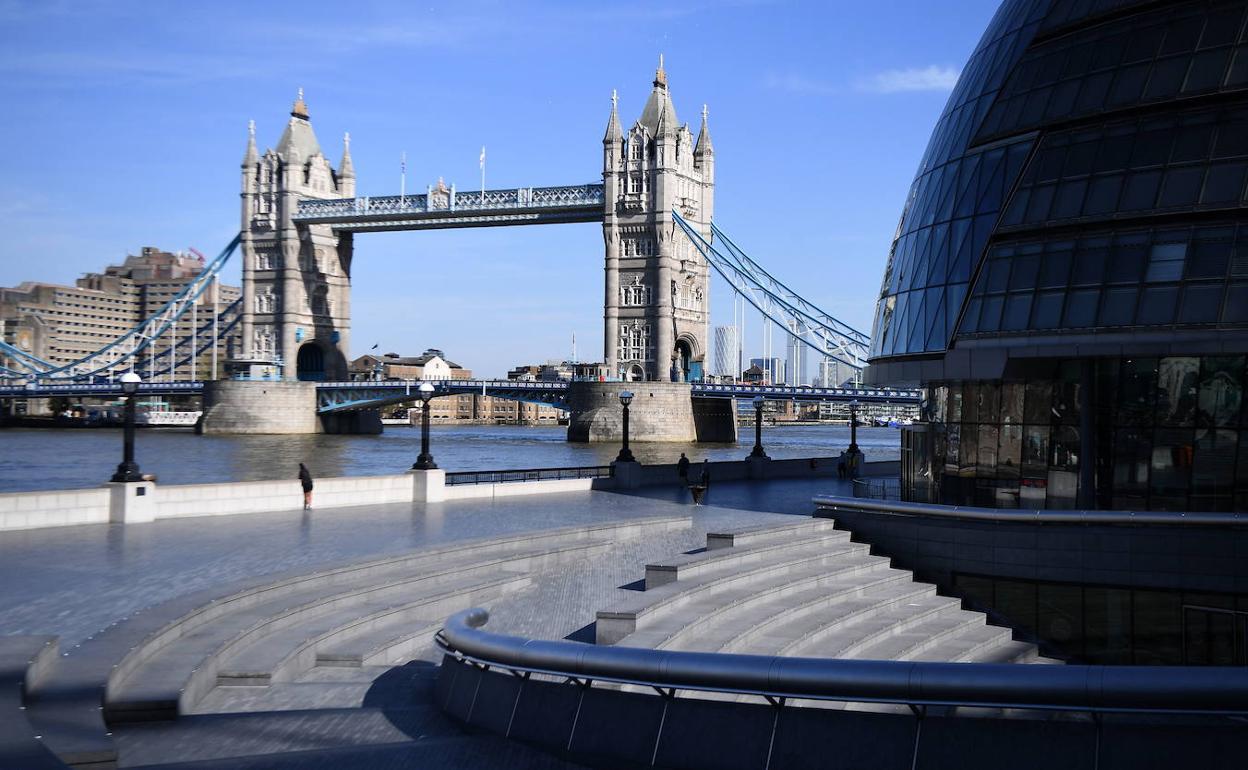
(66, 458)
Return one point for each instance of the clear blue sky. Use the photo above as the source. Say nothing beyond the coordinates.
(125, 122)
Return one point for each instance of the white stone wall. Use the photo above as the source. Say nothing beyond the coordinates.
(34, 510)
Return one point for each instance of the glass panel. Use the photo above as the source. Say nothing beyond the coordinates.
(1138, 391)
(1017, 310)
(1131, 463)
(1213, 470)
(1221, 390)
(1012, 395)
(1081, 308)
(1047, 313)
(1177, 380)
(1035, 451)
(1202, 303)
(1107, 625)
(1061, 616)
(1009, 457)
(1038, 403)
(1170, 470)
(1157, 622)
(1165, 262)
(1157, 305)
(1118, 307)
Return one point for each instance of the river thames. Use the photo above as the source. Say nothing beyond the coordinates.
(69, 458)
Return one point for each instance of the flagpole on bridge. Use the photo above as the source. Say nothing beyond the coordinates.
(482, 161)
(403, 178)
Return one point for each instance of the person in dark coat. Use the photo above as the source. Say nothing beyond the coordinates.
(682, 467)
(305, 479)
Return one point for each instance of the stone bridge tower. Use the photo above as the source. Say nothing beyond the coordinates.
(296, 278)
(657, 304)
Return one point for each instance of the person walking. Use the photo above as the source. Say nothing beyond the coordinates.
(305, 480)
(682, 467)
(842, 469)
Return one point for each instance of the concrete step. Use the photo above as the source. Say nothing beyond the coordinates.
(388, 644)
(645, 608)
(283, 655)
(686, 566)
(24, 661)
(708, 598)
(972, 644)
(172, 678)
(938, 622)
(718, 620)
(767, 534)
(820, 613)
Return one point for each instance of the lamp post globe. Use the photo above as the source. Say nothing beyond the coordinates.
(128, 469)
(424, 462)
(758, 402)
(626, 454)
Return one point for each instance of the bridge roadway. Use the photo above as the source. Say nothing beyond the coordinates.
(345, 396)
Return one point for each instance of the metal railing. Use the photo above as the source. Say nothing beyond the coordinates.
(1090, 689)
(896, 508)
(877, 489)
(530, 474)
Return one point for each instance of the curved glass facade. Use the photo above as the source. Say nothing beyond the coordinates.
(1069, 279)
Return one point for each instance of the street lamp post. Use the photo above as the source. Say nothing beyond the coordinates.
(626, 454)
(758, 428)
(424, 462)
(853, 425)
(128, 470)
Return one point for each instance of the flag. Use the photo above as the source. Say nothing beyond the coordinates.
(483, 157)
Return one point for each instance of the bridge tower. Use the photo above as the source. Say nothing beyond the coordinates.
(296, 278)
(657, 303)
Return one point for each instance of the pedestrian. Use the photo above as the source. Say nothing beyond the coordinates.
(706, 473)
(841, 468)
(682, 467)
(305, 480)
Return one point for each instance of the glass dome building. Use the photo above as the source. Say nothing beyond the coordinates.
(1069, 279)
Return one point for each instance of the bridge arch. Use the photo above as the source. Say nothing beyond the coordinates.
(310, 362)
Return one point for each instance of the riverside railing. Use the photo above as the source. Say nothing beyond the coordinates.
(877, 489)
(457, 478)
(961, 512)
(1090, 689)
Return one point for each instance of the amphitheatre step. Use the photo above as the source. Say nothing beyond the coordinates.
(690, 565)
(767, 534)
(777, 626)
(974, 644)
(23, 661)
(282, 655)
(914, 635)
(702, 624)
(159, 682)
(796, 570)
(387, 643)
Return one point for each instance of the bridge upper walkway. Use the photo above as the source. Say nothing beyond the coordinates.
(452, 208)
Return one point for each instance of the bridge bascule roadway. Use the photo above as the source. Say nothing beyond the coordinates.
(355, 395)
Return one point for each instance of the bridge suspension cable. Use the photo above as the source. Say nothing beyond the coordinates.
(138, 339)
(797, 316)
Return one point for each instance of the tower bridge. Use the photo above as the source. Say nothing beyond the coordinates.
(299, 218)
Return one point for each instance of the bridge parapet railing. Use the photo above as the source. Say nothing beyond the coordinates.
(458, 478)
(877, 489)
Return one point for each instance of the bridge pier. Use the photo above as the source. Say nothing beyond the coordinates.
(660, 411)
(273, 407)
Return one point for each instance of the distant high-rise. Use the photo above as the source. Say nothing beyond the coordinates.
(797, 354)
(726, 363)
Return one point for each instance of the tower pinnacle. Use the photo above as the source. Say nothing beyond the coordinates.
(613, 123)
(660, 75)
(346, 169)
(300, 109)
(249, 158)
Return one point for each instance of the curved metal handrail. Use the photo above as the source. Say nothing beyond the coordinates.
(968, 513)
(1140, 689)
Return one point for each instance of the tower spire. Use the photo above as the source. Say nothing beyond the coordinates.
(613, 123)
(249, 158)
(300, 109)
(660, 75)
(346, 169)
(703, 145)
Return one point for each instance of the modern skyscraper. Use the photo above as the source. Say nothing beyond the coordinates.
(726, 352)
(797, 354)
